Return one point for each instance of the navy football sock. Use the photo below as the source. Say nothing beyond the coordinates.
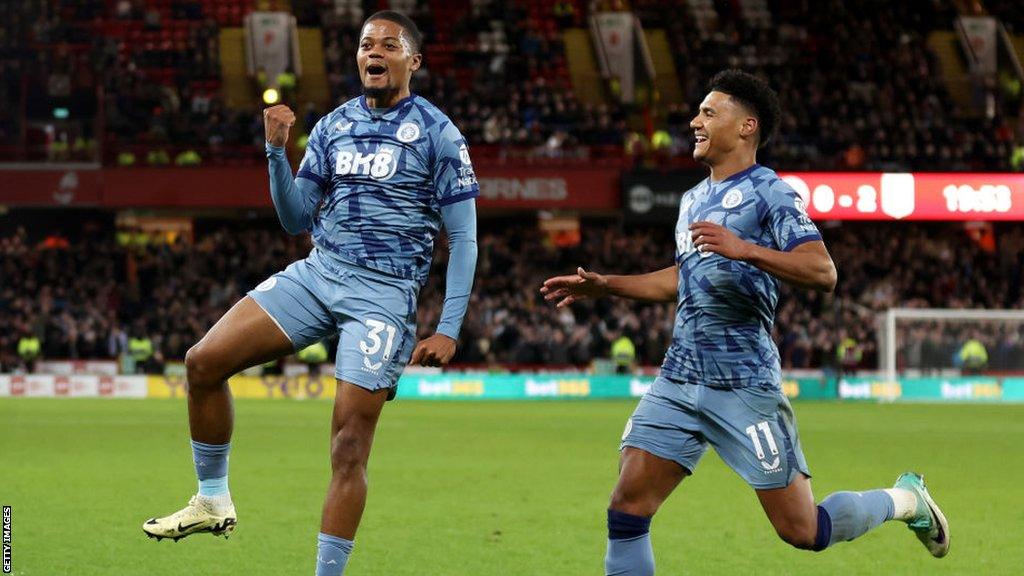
(629, 545)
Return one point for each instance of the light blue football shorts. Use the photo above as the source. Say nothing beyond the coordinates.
(374, 313)
(752, 429)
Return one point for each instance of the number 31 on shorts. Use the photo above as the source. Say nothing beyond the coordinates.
(374, 329)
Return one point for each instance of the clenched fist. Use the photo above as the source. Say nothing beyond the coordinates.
(277, 120)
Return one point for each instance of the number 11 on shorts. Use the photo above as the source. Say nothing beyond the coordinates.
(758, 449)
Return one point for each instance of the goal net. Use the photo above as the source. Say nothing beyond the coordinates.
(939, 341)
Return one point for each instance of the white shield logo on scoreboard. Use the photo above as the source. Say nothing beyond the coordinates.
(898, 194)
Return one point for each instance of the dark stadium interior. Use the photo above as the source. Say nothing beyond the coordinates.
(862, 87)
(141, 83)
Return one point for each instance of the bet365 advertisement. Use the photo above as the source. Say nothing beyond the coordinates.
(470, 386)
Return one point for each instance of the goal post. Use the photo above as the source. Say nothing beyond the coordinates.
(929, 339)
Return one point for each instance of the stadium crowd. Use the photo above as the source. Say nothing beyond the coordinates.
(872, 99)
(87, 298)
(861, 90)
(860, 87)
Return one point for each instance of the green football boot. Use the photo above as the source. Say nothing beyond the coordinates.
(929, 524)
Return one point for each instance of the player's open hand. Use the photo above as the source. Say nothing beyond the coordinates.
(277, 120)
(575, 287)
(436, 350)
(711, 237)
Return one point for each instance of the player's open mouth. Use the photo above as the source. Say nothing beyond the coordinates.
(700, 138)
(376, 70)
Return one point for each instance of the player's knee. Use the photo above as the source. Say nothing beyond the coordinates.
(200, 368)
(633, 502)
(798, 535)
(350, 449)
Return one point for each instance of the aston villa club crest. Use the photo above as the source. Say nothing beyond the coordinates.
(408, 132)
(732, 198)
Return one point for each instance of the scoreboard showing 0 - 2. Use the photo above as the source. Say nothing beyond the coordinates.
(909, 196)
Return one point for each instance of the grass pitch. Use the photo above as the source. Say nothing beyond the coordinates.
(502, 488)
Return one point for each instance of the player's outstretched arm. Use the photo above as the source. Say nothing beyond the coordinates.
(808, 265)
(659, 286)
(295, 199)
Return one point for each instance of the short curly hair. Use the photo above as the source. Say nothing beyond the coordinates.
(754, 94)
(413, 31)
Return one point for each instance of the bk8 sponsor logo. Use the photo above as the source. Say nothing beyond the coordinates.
(379, 165)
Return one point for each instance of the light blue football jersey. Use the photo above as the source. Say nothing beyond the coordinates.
(726, 309)
(384, 176)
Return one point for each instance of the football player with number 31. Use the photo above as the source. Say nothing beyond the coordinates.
(381, 174)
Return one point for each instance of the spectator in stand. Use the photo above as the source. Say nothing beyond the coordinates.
(972, 356)
(29, 351)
